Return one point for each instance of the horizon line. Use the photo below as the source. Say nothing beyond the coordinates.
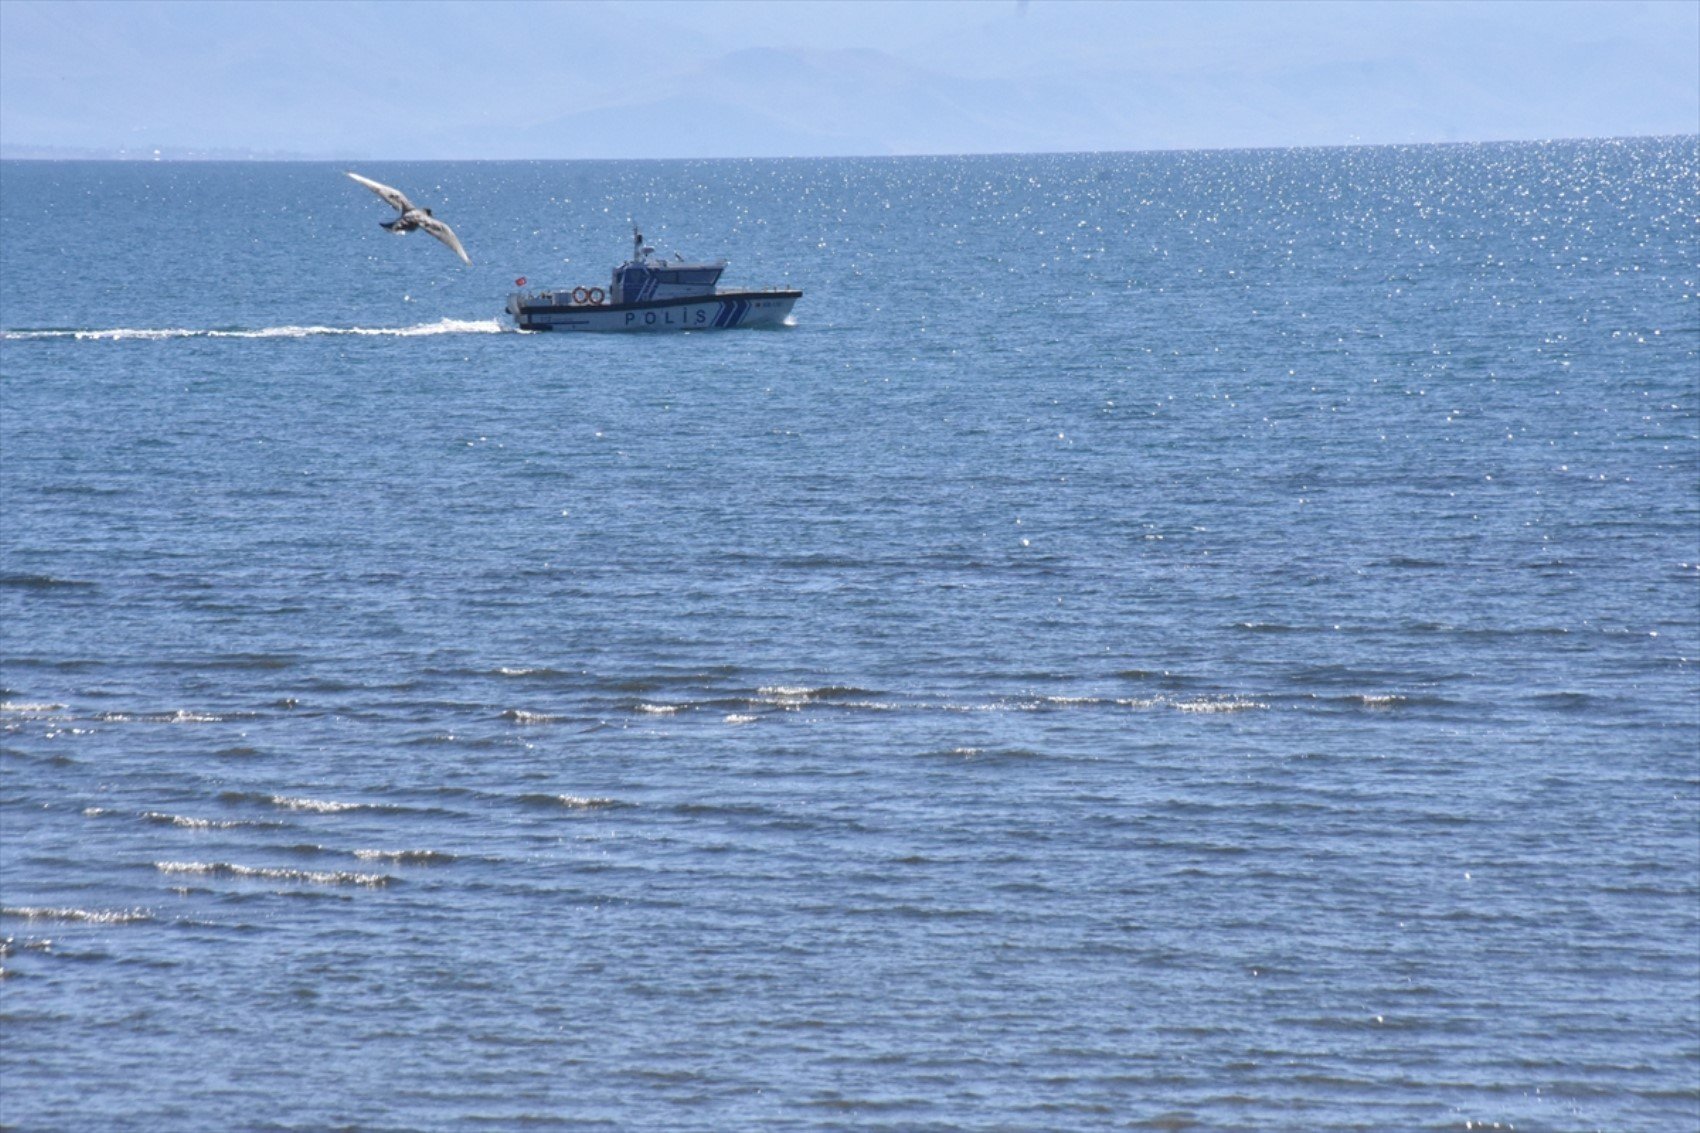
(188, 155)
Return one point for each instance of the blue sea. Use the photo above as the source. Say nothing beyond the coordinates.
(1183, 641)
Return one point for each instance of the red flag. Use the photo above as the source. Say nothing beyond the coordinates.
(520, 282)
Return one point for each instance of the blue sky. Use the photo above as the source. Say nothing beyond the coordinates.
(671, 78)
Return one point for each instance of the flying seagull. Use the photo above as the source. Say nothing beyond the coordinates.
(412, 217)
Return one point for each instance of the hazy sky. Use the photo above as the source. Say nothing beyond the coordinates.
(503, 79)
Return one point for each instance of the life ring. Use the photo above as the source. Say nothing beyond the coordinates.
(597, 295)
(580, 294)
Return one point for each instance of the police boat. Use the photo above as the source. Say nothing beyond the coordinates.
(647, 293)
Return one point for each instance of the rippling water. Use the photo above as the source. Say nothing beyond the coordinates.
(1199, 640)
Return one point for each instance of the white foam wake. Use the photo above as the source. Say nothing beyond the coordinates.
(441, 326)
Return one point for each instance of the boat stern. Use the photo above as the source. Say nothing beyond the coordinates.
(517, 302)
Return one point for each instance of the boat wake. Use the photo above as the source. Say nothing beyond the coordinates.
(421, 330)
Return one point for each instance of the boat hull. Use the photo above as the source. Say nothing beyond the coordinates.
(722, 311)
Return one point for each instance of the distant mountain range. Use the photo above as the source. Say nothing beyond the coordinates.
(10, 152)
(503, 80)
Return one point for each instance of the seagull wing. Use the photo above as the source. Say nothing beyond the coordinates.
(446, 234)
(394, 197)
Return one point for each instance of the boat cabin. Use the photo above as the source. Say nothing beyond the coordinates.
(643, 278)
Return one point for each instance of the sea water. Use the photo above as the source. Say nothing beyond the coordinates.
(1176, 640)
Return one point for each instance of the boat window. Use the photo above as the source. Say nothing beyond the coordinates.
(694, 276)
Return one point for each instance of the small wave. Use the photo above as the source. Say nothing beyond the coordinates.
(1489, 632)
(163, 819)
(1172, 680)
(1073, 701)
(1378, 700)
(275, 873)
(741, 718)
(540, 672)
(658, 709)
(121, 334)
(802, 693)
(1563, 700)
(999, 705)
(521, 716)
(26, 708)
(407, 857)
(1217, 704)
(1139, 701)
(293, 802)
(571, 802)
(181, 716)
(317, 806)
(89, 916)
(44, 582)
(721, 810)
